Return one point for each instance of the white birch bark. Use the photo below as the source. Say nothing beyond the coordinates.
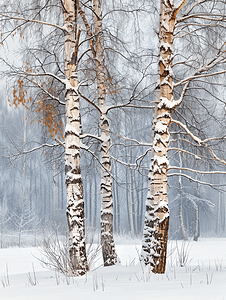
(74, 185)
(154, 245)
(107, 240)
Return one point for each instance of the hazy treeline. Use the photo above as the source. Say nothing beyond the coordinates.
(33, 199)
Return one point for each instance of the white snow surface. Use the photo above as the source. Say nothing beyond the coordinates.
(203, 277)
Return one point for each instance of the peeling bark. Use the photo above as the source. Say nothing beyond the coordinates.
(74, 185)
(154, 245)
(107, 240)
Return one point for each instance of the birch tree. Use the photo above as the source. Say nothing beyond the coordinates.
(107, 241)
(107, 78)
(194, 25)
(96, 44)
(74, 185)
(157, 212)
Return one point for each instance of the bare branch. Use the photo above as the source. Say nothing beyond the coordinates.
(64, 8)
(84, 147)
(33, 21)
(60, 143)
(88, 30)
(90, 102)
(179, 7)
(194, 5)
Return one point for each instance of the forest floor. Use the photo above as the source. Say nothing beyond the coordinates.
(202, 276)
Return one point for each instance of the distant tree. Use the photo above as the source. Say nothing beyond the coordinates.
(4, 219)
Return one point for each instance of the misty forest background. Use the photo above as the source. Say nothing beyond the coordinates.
(33, 196)
(32, 186)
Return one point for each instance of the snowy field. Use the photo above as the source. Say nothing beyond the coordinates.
(202, 277)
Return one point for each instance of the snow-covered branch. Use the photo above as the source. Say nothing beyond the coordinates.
(196, 180)
(26, 74)
(203, 16)
(131, 106)
(195, 171)
(87, 135)
(140, 158)
(201, 142)
(195, 138)
(198, 76)
(43, 90)
(122, 162)
(132, 140)
(24, 152)
(184, 151)
(197, 156)
(216, 157)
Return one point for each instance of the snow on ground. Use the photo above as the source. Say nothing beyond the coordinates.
(202, 277)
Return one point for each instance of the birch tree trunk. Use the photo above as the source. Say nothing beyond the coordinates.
(154, 245)
(218, 212)
(130, 198)
(74, 185)
(196, 231)
(181, 201)
(107, 240)
(182, 222)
